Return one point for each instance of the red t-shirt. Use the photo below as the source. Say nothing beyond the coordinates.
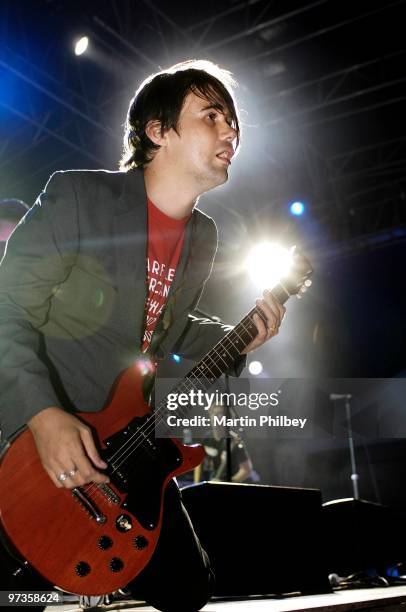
(165, 241)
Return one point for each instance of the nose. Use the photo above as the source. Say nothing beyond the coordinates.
(228, 133)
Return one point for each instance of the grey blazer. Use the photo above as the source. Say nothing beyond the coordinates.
(73, 289)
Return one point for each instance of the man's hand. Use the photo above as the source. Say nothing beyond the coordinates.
(66, 446)
(274, 314)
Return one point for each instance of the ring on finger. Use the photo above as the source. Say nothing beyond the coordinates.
(62, 476)
(72, 472)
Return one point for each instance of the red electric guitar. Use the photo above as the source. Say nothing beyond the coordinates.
(95, 539)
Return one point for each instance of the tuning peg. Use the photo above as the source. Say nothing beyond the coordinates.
(308, 282)
(299, 297)
(303, 289)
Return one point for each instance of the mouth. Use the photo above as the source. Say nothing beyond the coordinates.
(225, 157)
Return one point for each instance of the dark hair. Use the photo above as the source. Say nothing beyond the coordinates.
(161, 97)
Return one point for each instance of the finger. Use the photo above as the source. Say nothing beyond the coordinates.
(90, 447)
(277, 308)
(261, 327)
(282, 311)
(71, 475)
(272, 318)
(54, 468)
(71, 462)
(259, 338)
(63, 479)
(274, 305)
(54, 478)
(85, 471)
(76, 461)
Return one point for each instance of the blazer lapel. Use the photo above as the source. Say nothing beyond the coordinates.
(130, 228)
(130, 225)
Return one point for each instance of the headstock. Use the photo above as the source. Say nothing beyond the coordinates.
(297, 281)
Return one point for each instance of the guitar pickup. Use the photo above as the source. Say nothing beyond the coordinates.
(108, 492)
(88, 505)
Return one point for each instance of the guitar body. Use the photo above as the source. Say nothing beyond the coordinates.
(95, 539)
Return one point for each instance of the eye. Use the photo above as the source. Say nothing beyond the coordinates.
(212, 116)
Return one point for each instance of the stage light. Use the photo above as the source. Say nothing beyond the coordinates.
(81, 45)
(255, 368)
(176, 358)
(267, 263)
(297, 208)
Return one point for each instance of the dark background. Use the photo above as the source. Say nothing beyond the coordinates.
(322, 93)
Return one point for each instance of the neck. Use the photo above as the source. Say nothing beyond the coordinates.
(169, 192)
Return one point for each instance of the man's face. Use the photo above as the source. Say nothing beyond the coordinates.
(203, 148)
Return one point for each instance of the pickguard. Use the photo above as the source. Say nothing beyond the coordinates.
(139, 463)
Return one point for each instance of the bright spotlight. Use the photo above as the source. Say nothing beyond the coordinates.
(267, 263)
(176, 358)
(255, 368)
(297, 208)
(81, 45)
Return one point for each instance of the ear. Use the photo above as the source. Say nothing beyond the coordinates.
(154, 133)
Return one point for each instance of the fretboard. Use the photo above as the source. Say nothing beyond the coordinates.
(223, 355)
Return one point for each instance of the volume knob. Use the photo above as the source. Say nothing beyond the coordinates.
(82, 569)
(104, 542)
(116, 565)
(140, 542)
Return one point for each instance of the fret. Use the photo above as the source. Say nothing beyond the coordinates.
(222, 356)
(217, 361)
(227, 364)
(248, 331)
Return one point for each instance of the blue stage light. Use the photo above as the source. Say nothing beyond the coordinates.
(176, 358)
(297, 208)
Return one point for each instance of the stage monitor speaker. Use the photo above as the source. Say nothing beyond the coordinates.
(260, 539)
(363, 536)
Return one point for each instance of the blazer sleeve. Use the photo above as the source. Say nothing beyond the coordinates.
(38, 258)
(199, 337)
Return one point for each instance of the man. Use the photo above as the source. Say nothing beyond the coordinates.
(88, 283)
(214, 466)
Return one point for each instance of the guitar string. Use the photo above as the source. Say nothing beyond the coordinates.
(152, 420)
(226, 338)
(147, 427)
(142, 433)
(209, 381)
(128, 448)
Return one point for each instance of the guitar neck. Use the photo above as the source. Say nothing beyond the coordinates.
(223, 355)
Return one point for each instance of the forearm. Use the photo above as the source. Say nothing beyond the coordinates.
(243, 472)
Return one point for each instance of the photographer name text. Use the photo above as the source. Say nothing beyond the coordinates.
(243, 421)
